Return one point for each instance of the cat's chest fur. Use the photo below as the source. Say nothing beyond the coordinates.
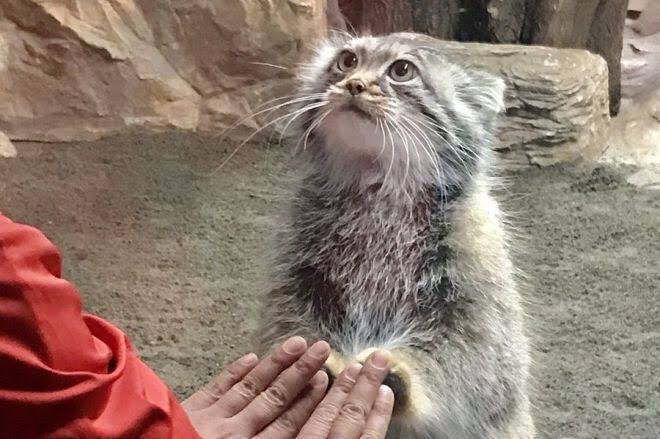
(363, 255)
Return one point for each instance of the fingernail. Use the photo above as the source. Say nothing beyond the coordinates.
(319, 349)
(380, 359)
(249, 359)
(320, 379)
(353, 371)
(385, 393)
(294, 345)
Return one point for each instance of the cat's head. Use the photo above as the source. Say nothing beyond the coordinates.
(391, 110)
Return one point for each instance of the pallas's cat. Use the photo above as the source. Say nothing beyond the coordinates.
(393, 240)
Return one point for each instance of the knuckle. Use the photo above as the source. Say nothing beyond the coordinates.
(230, 431)
(326, 413)
(234, 371)
(276, 396)
(353, 412)
(382, 409)
(385, 402)
(213, 388)
(344, 385)
(248, 387)
(305, 366)
(373, 377)
(286, 423)
(211, 391)
(371, 434)
(225, 381)
(281, 358)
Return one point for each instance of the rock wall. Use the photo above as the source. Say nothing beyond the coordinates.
(634, 136)
(81, 69)
(557, 106)
(640, 61)
(595, 25)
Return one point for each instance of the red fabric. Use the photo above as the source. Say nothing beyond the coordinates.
(64, 373)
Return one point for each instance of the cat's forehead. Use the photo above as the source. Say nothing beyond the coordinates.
(379, 50)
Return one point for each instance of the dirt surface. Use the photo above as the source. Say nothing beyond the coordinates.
(171, 252)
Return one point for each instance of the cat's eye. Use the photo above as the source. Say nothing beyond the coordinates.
(347, 61)
(402, 71)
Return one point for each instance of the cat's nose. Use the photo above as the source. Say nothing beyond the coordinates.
(355, 86)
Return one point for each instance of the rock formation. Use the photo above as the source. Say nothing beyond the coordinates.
(81, 69)
(640, 61)
(595, 25)
(556, 100)
(7, 149)
(634, 136)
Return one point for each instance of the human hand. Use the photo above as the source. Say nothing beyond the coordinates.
(261, 399)
(357, 405)
(253, 398)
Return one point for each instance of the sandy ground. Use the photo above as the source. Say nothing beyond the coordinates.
(171, 252)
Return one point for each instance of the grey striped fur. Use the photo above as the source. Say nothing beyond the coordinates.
(393, 240)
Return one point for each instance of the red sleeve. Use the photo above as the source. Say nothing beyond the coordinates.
(64, 373)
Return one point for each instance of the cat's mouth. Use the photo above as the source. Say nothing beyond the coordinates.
(356, 109)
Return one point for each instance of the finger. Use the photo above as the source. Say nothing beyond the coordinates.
(273, 401)
(357, 406)
(211, 392)
(263, 374)
(288, 424)
(319, 424)
(379, 419)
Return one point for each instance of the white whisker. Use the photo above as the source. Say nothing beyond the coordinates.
(256, 63)
(265, 110)
(313, 126)
(307, 108)
(405, 138)
(290, 122)
(427, 142)
(379, 124)
(389, 168)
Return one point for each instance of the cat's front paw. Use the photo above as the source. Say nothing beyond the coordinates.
(333, 366)
(400, 380)
(401, 389)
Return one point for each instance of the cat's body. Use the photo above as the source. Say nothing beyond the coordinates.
(393, 245)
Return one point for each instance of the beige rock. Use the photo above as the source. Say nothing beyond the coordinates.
(640, 57)
(649, 19)
(7, 149)
(82, 69)
(634, 136)
(637, 5)
(557, 106)
(640, 64)
(646, 179)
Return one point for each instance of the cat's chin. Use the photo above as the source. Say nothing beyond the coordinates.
(349, 131)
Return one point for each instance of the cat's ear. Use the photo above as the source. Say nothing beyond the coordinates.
(485, 92)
